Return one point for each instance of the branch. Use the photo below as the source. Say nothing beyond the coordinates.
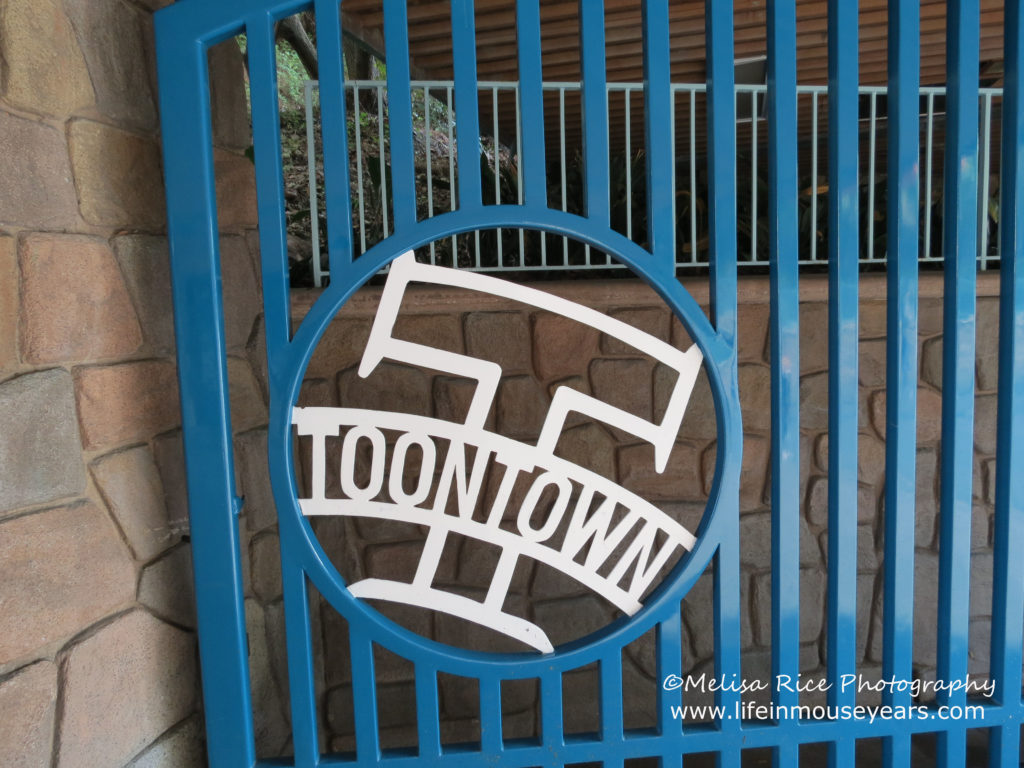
(292, 32)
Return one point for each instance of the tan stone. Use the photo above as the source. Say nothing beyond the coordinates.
(756, 454)
(60, 571)
(265, 552)
(929, 416)
(35, 177)
(44, 70)
(254, 480)
(752, 338)
(248, 408)
(269, 723)
(522, 407)
(110, 710)
(228, 110)
(340, 348)
(755, 397)
(114, 42)
(8, 303)
(452, 398)
(131, 485)
(240, 291)
(699, 420)
(985, 424)
(562, 346)
(653, 321)
(27, 705)
(625, 384)
(437, 331)
(235, 178)
(183, 748)
(814, 402)
(390, 388)
(170, 461)
(74, 302)
(118, 176)
(166, 587)
(681, 480)
(988, 344)
(588, 446)
(119, 404)
(502, 337)
(931, 362)
(145, 264)
(871, 365)
(813, 337)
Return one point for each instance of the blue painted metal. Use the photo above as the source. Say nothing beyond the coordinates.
(185, 31)
(784, 331)
(843, 338)
(901, 363)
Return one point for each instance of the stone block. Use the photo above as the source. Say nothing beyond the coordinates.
(755, 397)
(981, 585)
(61, 570)
(240, 291)
(452, 398)
(753, 474)
(625, 384)
(985, 421)
(752, 339)
(390, 387)
(870, 461)
(119, 404)
(929, 416)
(817, 501)
(699, 615)
(227, 96)
(522, 406)
(110, 712)
(931, 362)
(926, 606)
(248, 408)
(265, 553)
(35, 175)
(813, 587)
(115, 45)
(652, 321)
(170, 461)
(340, 348)
(74, 304)
(871, 365)
(927, 498)
(131, 486)
(814, 402)
(235, 179)
(501, 337)
(28, 702)
(561, 346)
(988, 344)
(9, 287)
(44, 70)
(572, 617)
(184, 747)
(699, 421)
(254, 480)
(873, 320)
(145, 264)
(166, 587)
(813, 337)
(865, 604)
(40, 451)
(269, 723)
(437, 331)
(118, 176)
(681, 480)
(590, 447)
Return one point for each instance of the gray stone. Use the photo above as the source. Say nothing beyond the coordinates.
(926, 606)
(390, 387)
(266, 566)
(871, 365)
(625, 384)
(927, 497)
(561, 346)
(110, 712)
(755, 397)
(590, 447)
(981, 585)
(985, 420)
(988, 344)
(814, 402)
(35, 176)
(27, 705)
(40, 450)
(340, 348)
(813, 587)
(681, 480)
(240, 290)
(699, 421)
(145, 264)
(115, 47)
(652, 321)
(61, 570)
(183, 747)
(130, 484)
(269, 724)
(166, 587)
(931, 362)
(254, 480)
(699, 615)
(248, 408)
(452, 398)
(170, 461)
(813, 337)
(227, 96)
(870, 461)
(502, 337)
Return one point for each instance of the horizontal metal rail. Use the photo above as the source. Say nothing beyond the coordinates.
(518, 251)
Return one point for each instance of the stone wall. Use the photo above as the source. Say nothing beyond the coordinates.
(98, 664)
(538, 352)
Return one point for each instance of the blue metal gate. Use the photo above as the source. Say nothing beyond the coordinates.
(188, 28)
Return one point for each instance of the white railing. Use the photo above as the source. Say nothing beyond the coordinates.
(437, 173)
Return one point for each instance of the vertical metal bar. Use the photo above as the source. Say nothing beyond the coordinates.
(497, 165)
(784, 330)
(929, 143)
(382, 165)
(337, 194)
(595, 110)
(610, 670)
(266, 134)
(986, 163)
(364, 681)
(814, 176)
(669, 641)
(873, 131)
(299, 643)
(561, 135)
(314, 203)
(519, 175)
(531, 90)
(490, 715)
(672, 165)
(359, 171)
(843, 236)
(628, 97)
(403, 164)
(451, 171)
(467, 115)
(1008, 566)
(199, 327)
(903, 136)
(428, 715)
(753, 176)
(551, 730)
(721, 108)
(693, 175)
(960, 248)
(428, 147)
(657, 142)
